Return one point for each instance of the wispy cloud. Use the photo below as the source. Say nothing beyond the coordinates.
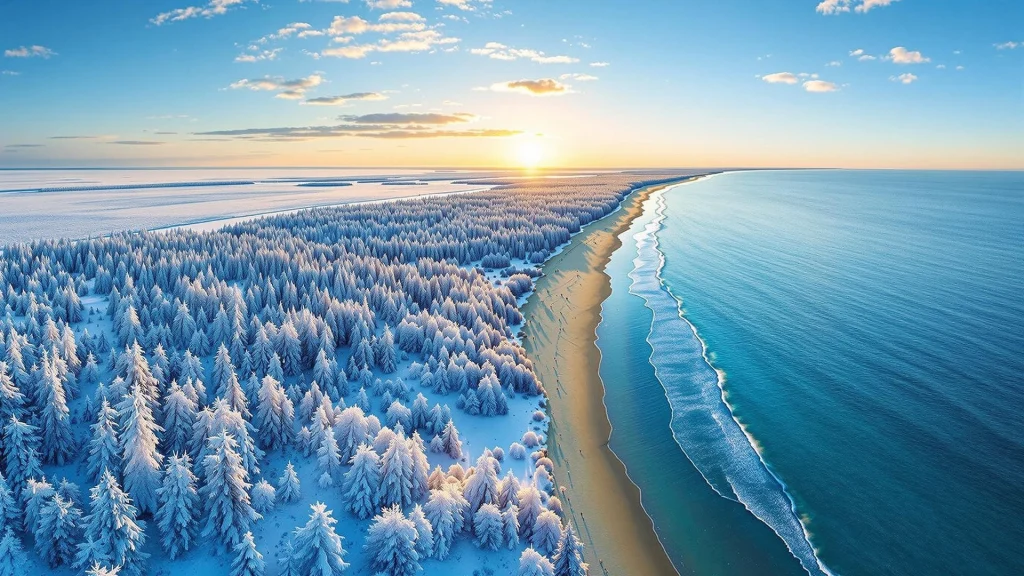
(905, 78)
(388, 4)
(383, 126)
(136, 142)
(23, 146)
(395, 118)
(30, 52)
(259, 56)
(780, 78)
(542, 87)
(498, 51)
(578, 77)
(1011, 45)
(859, 6)
(860, 55)
(599, 64)
(467, 5)
(344, 99)
(820, 86)
(901, 55)
(286, 89)
(211, 9)
(421, 41)
(9, 73)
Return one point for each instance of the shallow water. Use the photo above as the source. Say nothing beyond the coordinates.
(868, 325)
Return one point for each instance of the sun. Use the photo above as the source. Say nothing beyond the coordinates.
(530, 154)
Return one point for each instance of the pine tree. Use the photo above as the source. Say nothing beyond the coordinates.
(104, 449)
(12, 401)
(510, 526)
(142, 460)
(361, 483)
(532, 563)
(177, 514)
(20, 454)
(451, 442)
(57, 532)
(10, 511)
(424, 532)
(288, 485)
(36, 495)
(508, 495)
(228, 510)
(248, 560)
(264, 496)
(482, 487)
(546, 532)
(488, 527)
(391, 543)
(350, 431)
(568, 558)
(289, 349)
(328, 461)
(13, 560)
(114, 536)
(317, 548)
(396, 486)
(275, 416)
(322, 372)
(54, 420)
(530, 508)
(444, 512)
(179, 420)
(100, 570)
(388, 357)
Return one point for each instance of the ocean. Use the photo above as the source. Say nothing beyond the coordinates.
(822, 371)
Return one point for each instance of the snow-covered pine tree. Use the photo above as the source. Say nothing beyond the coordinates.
(179, 419)
(317, 549)
(568, 559)
(328, 462)
(229, 513)
(113, 534)
(391, 543)
(288, 485)
(177, 514)
(532, 563)
(396, 468)
(547, 531)
(275, 416)
(444, 512)
(488, 527)
(10, 511)
(263, 496)
(424, 532)
(248, 560)
(104, 449)
(142, 460)
(530, 507)
(21, 455)
(36, 495)
(54, 419)
(12, 401)
(482, 487)
(57, 531)
(510, 526)
(450, 441)
(13, 560)
(361, 482)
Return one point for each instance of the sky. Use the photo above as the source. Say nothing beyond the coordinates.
(513, 83)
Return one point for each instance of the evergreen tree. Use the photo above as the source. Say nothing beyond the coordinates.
(12, 401)
(263, 496)
(444, 512)
(317, 548)
(10, 511)
(100, 570)
(179, 420)
(322, 372)
(391, 543)
(36, 495)
(229, 513)
(328, 461)
(248, 560)
(21, 456)
(396, 486)
(568, 558)
(288, 485)
(54, 420)
(350, 432)
(275, 416)
(177, 514)
(532, 563)
(361, 483)
(424, 532)
(57, 531)
(13, 560)
(530, 508)
(547, 531)
(289, 349)
(388, 357)
(104, 449)
(488, 527)
(113, 534)
(142, 460)
(508, 495)
(510, 526)
(450, 441)
(482, 487)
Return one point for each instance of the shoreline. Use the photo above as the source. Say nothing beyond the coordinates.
(560, 336)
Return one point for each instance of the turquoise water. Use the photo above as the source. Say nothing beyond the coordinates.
(868, 330)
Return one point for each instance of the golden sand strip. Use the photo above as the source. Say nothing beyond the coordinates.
(560, 336)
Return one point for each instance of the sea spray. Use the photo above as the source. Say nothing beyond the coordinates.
(702, 421)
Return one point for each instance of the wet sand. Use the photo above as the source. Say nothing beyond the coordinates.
(560, 335)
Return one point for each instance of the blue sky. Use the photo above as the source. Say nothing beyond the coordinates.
(859, 83)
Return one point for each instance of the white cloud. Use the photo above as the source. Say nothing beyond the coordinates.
(419, 41)
(345, 99)
(388, 4)
(959, 67)
(286, 89)
(599, 64)
(9, 73)
(498, 51)
(29, 52)
(259, 56)
(860, 55)
(820, 86)
(901, 55)
(466, 5)
(859, 6)
(542, 87)
(780, 78)
(401, 17)
(342, 26)
(213, 8)
(834, 64)
(577, 76)
(905, 78)
(1009, 45)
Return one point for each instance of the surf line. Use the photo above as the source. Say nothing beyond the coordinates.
(703, 423)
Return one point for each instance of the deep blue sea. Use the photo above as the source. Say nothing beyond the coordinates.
(823, 371)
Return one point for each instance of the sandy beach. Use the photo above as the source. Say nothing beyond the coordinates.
(559, 336)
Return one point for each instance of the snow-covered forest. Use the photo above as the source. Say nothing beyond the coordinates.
(338, 390)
